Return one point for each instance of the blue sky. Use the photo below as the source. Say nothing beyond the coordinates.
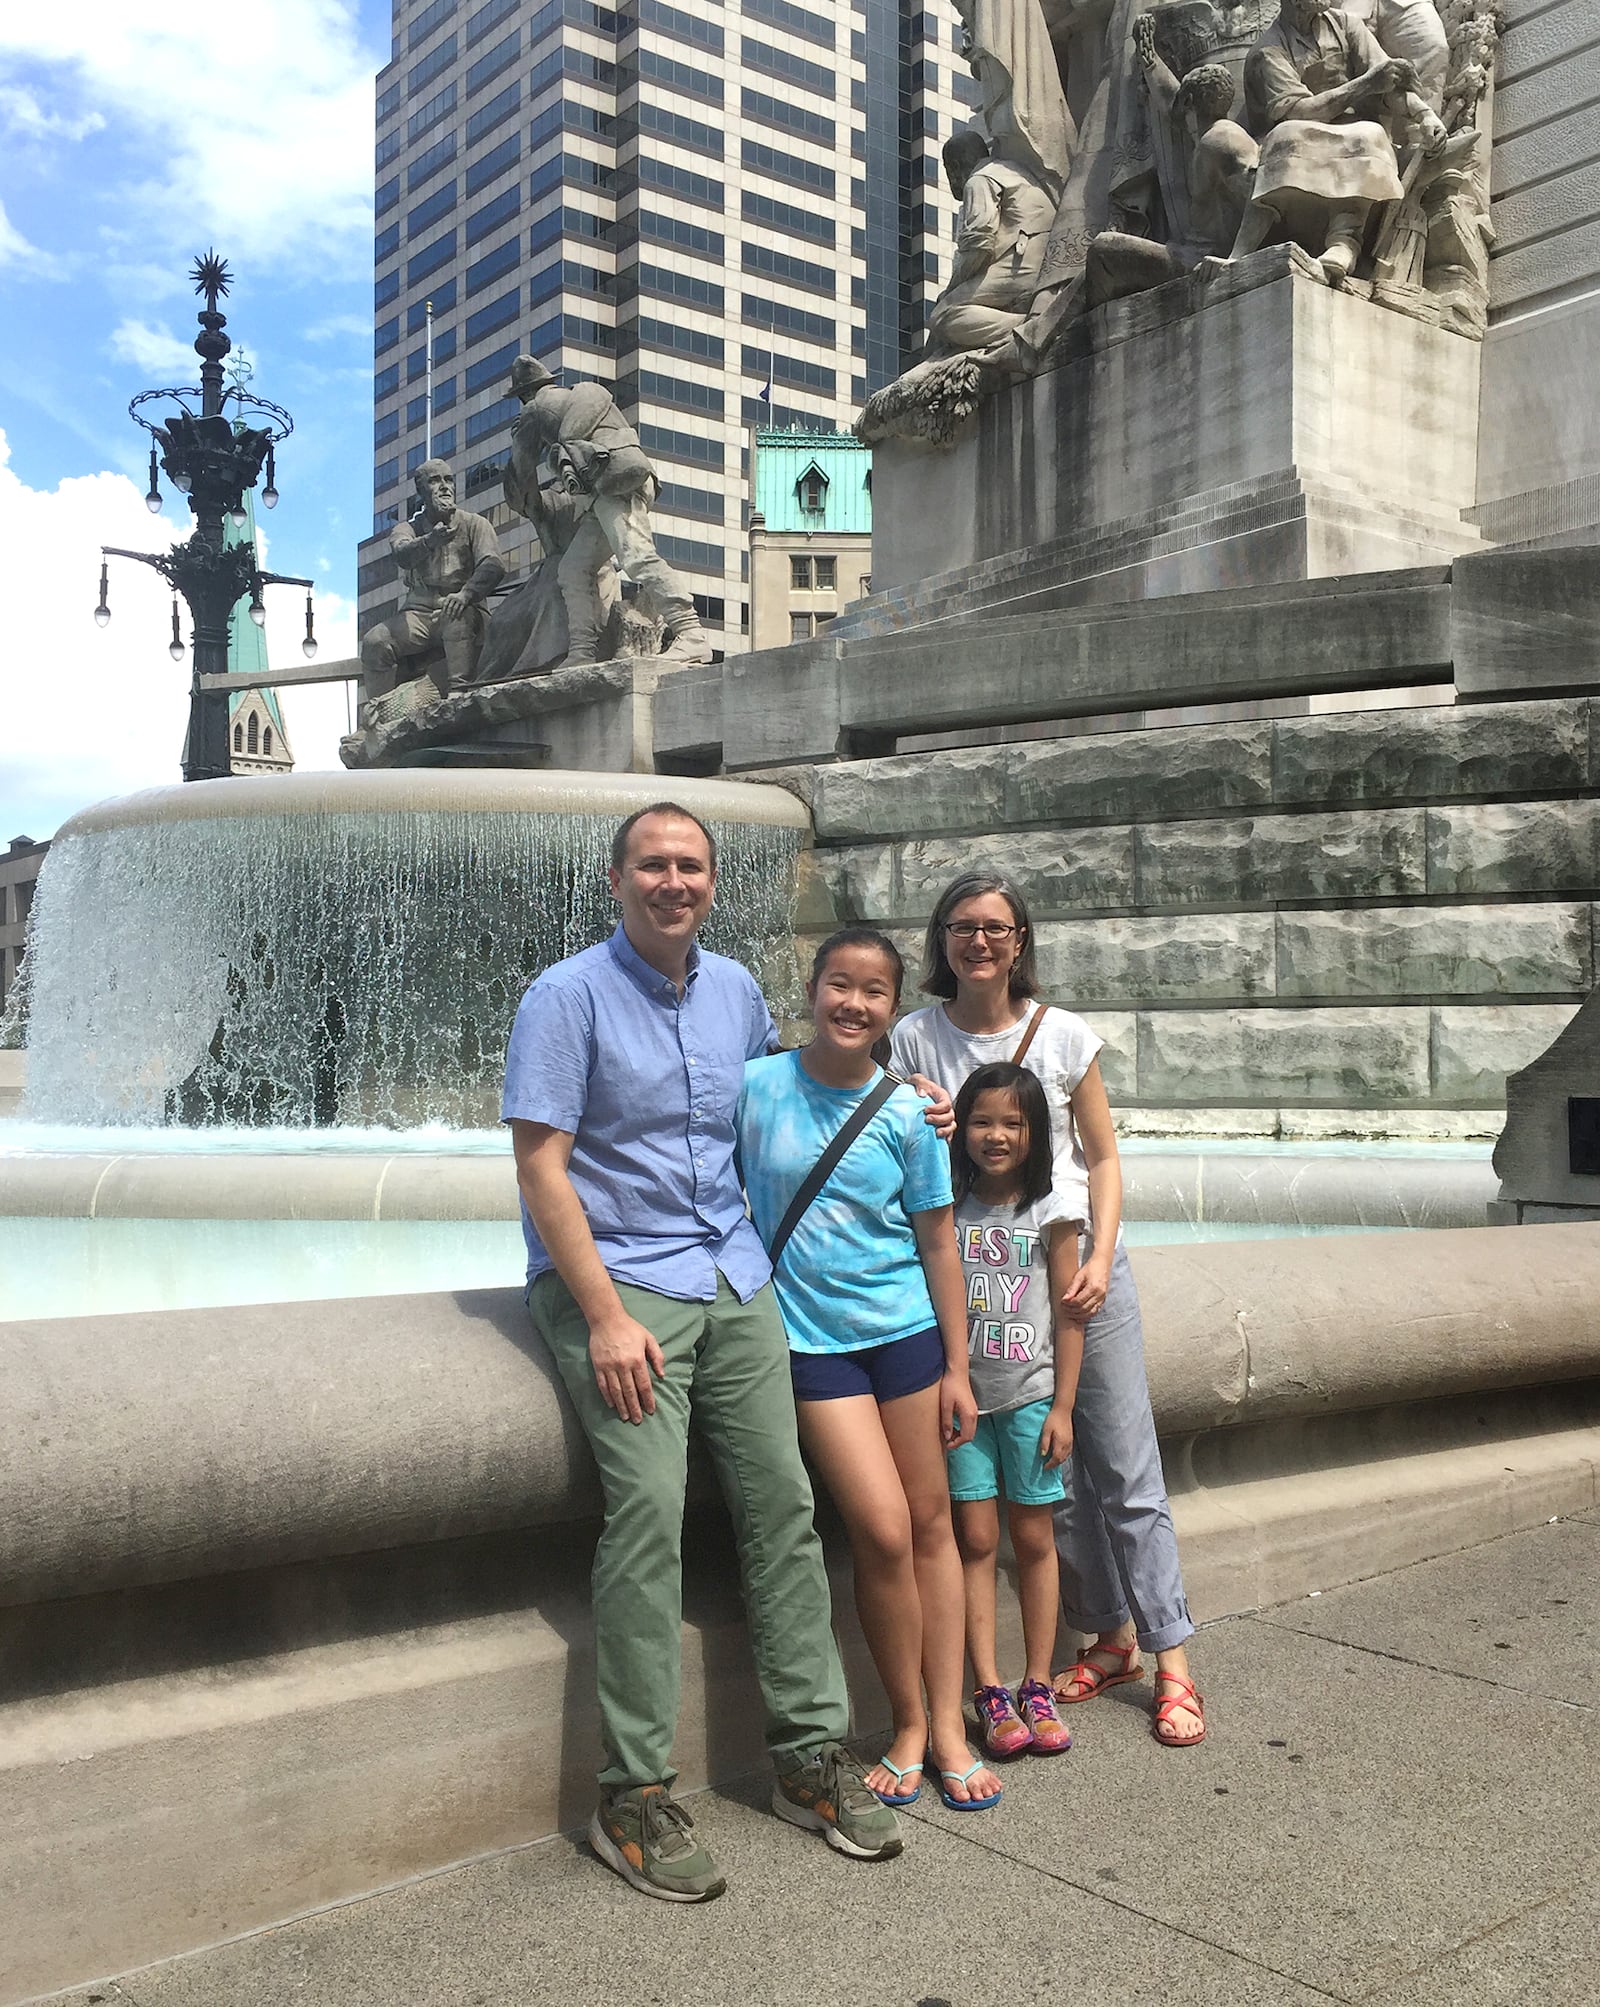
(132, 137)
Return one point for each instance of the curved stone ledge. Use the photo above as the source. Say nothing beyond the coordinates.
(1274, 1187)
(159, 1447)
(535, 792)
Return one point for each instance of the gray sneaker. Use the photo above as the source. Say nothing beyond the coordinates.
(648, 1838)
(829, 1795)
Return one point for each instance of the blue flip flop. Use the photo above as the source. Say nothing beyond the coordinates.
(901, 1797)
(967, 1804)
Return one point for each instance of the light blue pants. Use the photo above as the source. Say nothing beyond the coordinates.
(1119, 1554)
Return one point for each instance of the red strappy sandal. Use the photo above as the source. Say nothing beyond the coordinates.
(1085, 1679)
(1188, 1697)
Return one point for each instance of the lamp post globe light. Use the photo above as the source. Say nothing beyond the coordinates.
(212, 457)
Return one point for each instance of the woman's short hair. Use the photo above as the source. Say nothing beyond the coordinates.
(938, 979)
(1027, 1090)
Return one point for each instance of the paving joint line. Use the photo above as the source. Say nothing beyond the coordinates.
(1101, 1894)
(1492, 1930)
(1424, 1665)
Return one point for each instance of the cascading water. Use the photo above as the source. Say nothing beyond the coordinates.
(305, 965)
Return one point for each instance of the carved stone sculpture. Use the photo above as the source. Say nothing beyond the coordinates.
(1205, 160)
(1006, 213)
(580, 440)
(451, 564)
(1204, 130)
(1326, 99)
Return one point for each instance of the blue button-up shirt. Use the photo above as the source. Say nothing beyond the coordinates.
(646, 1083)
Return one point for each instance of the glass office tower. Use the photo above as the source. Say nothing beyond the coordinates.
(729, 214)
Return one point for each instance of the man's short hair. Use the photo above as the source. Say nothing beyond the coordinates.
(431, 467)
(619, 842)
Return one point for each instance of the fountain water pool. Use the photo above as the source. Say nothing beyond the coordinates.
(328, 950)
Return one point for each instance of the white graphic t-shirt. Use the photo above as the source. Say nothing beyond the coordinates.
(1010, 1346)
(926, 1042)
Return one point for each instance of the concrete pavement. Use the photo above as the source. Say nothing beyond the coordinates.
(1396, 1804)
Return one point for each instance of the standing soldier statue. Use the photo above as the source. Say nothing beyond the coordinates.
(595, 454)
(450, 567)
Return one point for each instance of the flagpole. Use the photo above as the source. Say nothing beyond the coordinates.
(427, 421)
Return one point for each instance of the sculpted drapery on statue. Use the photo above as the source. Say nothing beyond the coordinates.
(1025, 116)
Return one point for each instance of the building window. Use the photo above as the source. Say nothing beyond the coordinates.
(827, 575)
(253, 740)
(266, 739)
(812, 489)
(799, 626)
(238, 738)
(800, 575)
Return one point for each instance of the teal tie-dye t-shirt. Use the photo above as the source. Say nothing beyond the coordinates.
(850, 1275)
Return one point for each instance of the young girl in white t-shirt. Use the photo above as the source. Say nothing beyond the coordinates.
(1019, 1253)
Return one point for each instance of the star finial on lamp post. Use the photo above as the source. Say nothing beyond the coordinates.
(211, 277)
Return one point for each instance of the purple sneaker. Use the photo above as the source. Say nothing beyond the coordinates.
(1037, 1706)
(1005, 1733)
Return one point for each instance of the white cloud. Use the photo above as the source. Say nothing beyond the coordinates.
(257, 129)
(18, 253)
(23, 118)
(157, 351)
(90, 712)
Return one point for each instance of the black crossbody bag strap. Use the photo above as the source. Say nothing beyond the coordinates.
(825, 1166)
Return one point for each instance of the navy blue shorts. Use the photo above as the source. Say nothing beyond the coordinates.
(886, 1372)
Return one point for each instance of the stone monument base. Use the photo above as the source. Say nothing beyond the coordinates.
(594, 717)
(1245, 425)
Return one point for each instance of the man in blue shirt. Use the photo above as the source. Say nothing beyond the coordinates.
(652, 1290)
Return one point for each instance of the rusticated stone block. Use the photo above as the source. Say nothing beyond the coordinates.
(1175, 956)
(1119, 1056)
(913, 794)
(1056, 871)
(1515, 846)
(1368, 855)
(1264, 1056)
(1436, 752)
(1436, 951)
(838, 886)
(1476, 1045)
(1132, 776)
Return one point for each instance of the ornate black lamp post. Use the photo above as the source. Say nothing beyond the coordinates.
(212, 458)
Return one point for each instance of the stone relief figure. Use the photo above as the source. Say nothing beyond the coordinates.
(593, 456)
(1326, 99)
(1005, 218)
(1205, 160)
(451, 564)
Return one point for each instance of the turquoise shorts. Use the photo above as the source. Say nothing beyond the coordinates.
(1004, 1455)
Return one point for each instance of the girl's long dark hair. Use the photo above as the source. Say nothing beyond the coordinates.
(938, 978)
(864, 937)
(1027, 1090)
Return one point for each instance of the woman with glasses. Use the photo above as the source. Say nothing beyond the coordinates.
(1120, 1580)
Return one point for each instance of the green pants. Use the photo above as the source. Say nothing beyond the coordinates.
(727, 1364)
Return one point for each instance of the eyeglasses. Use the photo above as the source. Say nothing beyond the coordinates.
(969, 930)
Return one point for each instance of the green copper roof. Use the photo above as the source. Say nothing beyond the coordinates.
(786, 462)
(247, 643)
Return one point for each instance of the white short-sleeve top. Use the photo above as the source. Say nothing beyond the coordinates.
(925, 1041)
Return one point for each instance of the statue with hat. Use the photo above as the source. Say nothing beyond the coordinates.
(577, 460)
